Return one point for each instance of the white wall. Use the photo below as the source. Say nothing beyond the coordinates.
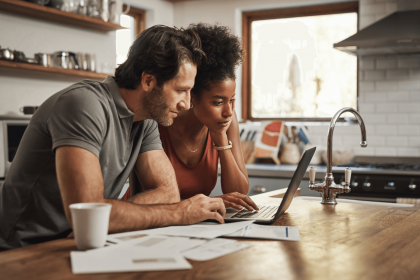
(389, 87)
(157, 11)
(33, 35)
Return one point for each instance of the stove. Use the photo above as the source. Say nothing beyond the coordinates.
(381, 181)
(384, 166)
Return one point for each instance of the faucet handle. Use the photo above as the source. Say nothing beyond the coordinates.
(347, 177)
(312, 173)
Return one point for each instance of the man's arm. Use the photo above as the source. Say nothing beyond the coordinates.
(157, 176)
(80, 180)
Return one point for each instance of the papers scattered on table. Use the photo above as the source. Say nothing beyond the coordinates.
(151, 253)
(267, 232)
(200, 230)
(82, 262)
(166, 248)
(213, 249)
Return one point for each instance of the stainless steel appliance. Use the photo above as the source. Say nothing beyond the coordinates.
(383, 181)
(11, 132)
(398, 33)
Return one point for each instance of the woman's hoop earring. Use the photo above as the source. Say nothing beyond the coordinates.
(192, 105)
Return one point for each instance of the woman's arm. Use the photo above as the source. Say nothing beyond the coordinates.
(234, 175)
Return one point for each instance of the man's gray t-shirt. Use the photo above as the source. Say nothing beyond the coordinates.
(90, 115)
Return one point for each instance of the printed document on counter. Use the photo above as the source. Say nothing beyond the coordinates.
(200, 230)
(213, 249)
(150, 253)
(267, 232)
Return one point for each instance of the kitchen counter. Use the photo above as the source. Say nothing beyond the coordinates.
(286, 171)
(345, 241)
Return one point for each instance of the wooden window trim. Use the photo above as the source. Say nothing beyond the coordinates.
(249, 17)
(139, 16)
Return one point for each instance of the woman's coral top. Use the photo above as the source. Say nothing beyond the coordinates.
(198, 179)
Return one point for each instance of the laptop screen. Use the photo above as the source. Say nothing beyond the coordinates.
(295, 182)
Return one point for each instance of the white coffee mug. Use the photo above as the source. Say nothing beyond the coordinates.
(90, 224)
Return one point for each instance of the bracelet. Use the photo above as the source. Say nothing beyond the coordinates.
(223, 147)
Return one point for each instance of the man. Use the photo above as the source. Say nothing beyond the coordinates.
(82, 143)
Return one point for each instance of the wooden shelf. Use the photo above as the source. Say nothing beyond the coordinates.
(52, 14)
(27, 68)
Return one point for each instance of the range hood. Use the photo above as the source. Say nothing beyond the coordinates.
(398, 33)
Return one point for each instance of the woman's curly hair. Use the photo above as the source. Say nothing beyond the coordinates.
(223, 51)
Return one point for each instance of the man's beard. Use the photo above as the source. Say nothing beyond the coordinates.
(154, 103)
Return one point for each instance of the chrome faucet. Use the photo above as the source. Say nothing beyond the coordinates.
(328, 187)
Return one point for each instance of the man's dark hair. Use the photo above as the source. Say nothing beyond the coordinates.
(159, 51)
(223, 51)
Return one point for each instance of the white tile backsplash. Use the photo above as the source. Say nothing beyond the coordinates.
(408, 62)
(414, 141)
(386, 107)
(367, 64)
(397, 74)
(408, 152)
(397, 118)
(415, 118)
(366, 85)
(386, 129)
(374, 75)
(409, 84)
(397, 141)
(409, 129)
(398, 96)
(415, 95)
(386, 63)
(409, 107)
(385, 151)
(386, 85)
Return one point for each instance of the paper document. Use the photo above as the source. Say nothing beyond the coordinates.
(267, 232)
(150, 253)
(200, 230)
(82, 262)
(213, 249)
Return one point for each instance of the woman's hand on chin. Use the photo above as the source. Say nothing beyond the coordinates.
(219, 135)
(238, 201)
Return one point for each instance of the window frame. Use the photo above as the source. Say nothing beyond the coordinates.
(139, 16)
(314, 10)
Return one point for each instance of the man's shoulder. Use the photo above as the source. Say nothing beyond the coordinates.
(149, 124)
(83, 94)
(86, 89)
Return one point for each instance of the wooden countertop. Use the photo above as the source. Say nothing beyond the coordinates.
(346, 241)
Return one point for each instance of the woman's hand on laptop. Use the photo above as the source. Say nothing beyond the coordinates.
(238, 201)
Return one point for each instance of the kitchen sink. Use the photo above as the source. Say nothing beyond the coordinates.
(340, 200)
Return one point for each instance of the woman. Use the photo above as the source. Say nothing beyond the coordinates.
(209, 131)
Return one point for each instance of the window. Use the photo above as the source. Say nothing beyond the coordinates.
(292, 70)
(134, 20)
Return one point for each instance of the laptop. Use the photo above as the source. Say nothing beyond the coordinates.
(268, 214)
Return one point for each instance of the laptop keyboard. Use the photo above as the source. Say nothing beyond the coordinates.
(264, 212)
